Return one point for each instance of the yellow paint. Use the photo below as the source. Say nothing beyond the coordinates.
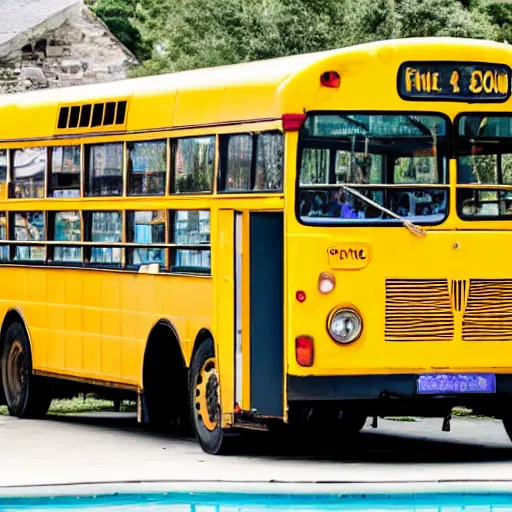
(94, 324)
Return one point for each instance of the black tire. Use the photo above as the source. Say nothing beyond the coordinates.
(214, 440)
(27, 395)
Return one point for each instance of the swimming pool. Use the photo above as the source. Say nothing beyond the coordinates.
(242, 502)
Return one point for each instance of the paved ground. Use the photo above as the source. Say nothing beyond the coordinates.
(112, 447)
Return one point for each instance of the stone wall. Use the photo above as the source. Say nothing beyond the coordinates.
(81, 51)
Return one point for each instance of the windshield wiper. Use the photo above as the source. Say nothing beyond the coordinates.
(413, 228)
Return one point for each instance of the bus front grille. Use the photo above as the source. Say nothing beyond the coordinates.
(488, 315)
(418, 310)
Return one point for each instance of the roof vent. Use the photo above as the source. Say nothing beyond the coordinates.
(92, 115)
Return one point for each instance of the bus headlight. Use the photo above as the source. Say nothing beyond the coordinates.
(345, 326)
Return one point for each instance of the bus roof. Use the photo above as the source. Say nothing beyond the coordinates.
(254, 91)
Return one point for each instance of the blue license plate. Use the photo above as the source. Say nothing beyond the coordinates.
(441, 383)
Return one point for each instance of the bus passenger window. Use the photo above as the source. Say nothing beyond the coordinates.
(239, 163)
(104, 227)
(104, 170)
(65, 171)
(4, 249)
(191, 231)
(67, 228)
(193, 165)
(29, 227)
(29, 168)
(147, 164)
(269, 162)
(146, 228)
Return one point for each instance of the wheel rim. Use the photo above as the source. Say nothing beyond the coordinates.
(16, 372)
(207, 406)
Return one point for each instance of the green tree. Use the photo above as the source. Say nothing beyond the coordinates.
(121, 17)
(173, 35)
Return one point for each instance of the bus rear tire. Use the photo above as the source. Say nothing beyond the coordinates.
(27, 395)
(204, 402)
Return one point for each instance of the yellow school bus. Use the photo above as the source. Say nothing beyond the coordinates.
(316, 239)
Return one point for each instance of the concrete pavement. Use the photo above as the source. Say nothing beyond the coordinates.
(109, 447)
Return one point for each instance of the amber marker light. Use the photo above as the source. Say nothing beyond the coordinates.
(326, 283)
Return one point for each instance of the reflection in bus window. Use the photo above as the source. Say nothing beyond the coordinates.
(191, 228)
(29, 167)
(146, 227)
(65, 171)
(67, 228)
(269, 162)
(29, 227)
(416, 169)
(106, 227)
(104, 170)
(147, 164)
(239, 160)
(3, 167)
(193, 166)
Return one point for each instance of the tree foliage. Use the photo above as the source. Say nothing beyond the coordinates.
(173, 35)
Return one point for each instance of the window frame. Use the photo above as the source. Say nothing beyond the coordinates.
(476, 187)
(11, 173)
(90, 244)
(224, 162)
(14, 244)
(388, 223)
(131, 246)
(175, 247)
(54, 244)
(172, 188)
(49, 190)
(129, 170)
(87, 176)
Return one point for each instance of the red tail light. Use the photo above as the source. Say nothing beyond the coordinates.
(304, 352)
(330, 79)
(293, 122)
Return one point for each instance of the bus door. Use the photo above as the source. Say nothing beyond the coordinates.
(259, 312)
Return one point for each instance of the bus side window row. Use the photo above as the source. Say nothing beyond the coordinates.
(149, 229)
(251, 163)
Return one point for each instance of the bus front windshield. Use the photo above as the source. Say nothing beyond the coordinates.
(399, 161)
(484, 166)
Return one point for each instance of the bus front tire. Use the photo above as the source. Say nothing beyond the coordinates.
(204, 402)
(27, 395)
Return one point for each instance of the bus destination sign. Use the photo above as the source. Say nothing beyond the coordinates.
(454, 81)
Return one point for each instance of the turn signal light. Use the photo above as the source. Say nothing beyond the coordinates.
(304, 352)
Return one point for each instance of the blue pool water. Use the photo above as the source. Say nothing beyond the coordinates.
(208, 502)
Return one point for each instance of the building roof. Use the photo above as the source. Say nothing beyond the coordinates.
(19, 16)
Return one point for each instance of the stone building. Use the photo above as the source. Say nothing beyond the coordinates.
(56, 43)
